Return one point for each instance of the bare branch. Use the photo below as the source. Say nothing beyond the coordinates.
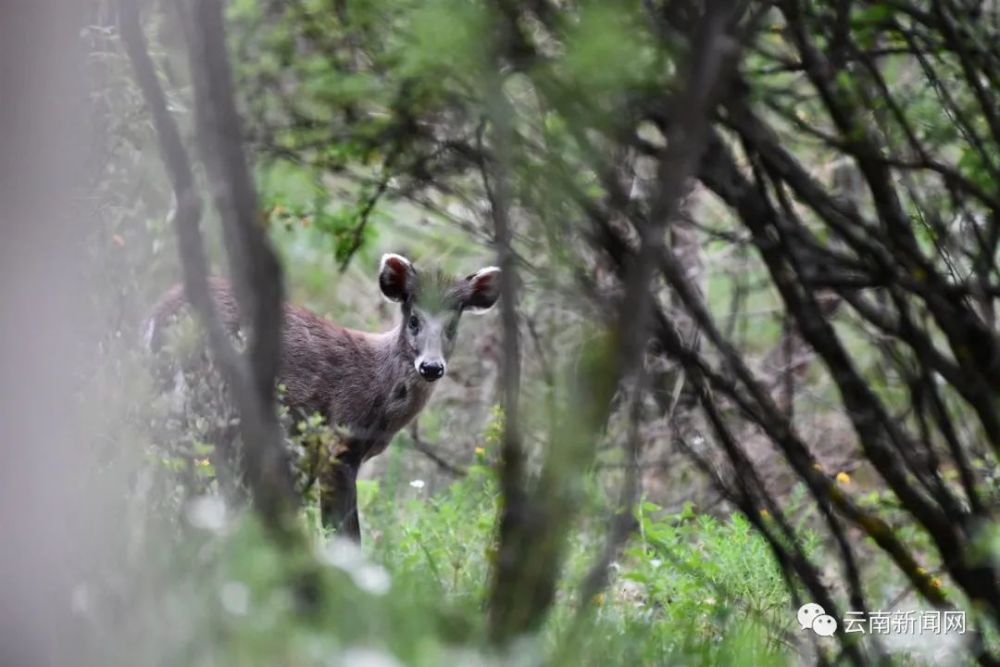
(255, 268)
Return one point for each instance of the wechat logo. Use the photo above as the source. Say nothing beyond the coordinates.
(813, 617)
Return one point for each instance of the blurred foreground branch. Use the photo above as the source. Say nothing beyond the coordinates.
(255, 270)
(524, 586)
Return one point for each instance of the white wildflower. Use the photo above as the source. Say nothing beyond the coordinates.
(208, 513)
(235, 597)
(372, 578)
(362, 656)
(348, 556)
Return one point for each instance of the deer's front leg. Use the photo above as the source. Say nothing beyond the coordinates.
(338, 495)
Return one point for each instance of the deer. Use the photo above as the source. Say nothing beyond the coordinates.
(366, 385)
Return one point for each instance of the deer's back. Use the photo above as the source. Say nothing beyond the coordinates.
(347, 376)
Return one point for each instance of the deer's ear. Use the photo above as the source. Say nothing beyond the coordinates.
(396, 277)
(482, 290)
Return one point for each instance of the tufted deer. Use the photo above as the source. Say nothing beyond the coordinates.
(370, 385)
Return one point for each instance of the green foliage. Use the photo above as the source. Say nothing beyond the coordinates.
(704, 570)
(358, 115)
(608, 52)
(444, 38)
(690, 589)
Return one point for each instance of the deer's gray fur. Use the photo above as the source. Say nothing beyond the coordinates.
(367, 385)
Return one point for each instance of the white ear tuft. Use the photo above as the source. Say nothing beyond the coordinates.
(483, 290)
(391, 256)
(396, 277)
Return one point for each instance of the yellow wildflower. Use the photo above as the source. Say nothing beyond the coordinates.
(843, 477)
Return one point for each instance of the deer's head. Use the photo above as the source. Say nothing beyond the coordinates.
(432, 305)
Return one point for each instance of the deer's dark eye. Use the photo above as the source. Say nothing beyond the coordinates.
(414, 324)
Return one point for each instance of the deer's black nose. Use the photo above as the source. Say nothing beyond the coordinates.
(431, 370)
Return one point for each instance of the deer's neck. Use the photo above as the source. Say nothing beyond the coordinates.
(399, 392)
(393, 355)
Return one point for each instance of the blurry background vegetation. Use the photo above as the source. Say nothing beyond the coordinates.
(754, 250)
